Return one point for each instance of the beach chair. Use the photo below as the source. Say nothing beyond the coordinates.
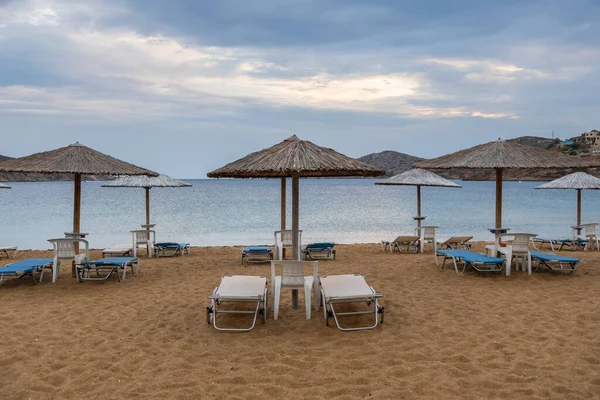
(343, 289)
(169, 249)
(283, 240)
(456, 242)
(411, 243)
(238, 289)
(427, 236)
(319, 251)
(107, 266)
(64, 250)
(554, 262)
(5, 249)
(256, 254)
(27, 267)
(292, 277)
(143, 237)
(477, 261)
(590, 234)
(118, 250)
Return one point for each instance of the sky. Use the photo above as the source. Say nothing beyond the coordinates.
(183, 87)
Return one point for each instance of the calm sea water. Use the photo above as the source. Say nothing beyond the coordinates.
(244, 212)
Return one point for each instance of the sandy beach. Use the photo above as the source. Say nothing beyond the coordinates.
(445, 336)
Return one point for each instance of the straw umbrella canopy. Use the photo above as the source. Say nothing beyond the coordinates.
(146, 182)
(418, 178)
(75, 159)
(2, 186)
(500, 155)
(295, 158)
(578, 181)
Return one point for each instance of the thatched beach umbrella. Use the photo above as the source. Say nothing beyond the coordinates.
(418, 178)
(146, 182)
(500, 155)
(578, 181)
(75, 159)
(2, 186)
(295, 158)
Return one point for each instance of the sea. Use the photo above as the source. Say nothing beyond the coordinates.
(225, 212)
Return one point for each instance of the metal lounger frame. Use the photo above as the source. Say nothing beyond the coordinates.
(40, 269)
(265, 256)
(83, 270)
(414, 245)
(329, 310)
(213, 310)
(477, 266)
(319, 253)
(548, 264)
(161, 250)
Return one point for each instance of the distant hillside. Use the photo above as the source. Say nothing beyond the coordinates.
(395, 163)
(30, 177)
(392, 162)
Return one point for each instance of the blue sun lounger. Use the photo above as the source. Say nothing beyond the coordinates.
(256, 254)
(319, 251)
(477, 261)
(558, 244)
(554, 262)
(26, 267)
(168, 249)
(106, 265)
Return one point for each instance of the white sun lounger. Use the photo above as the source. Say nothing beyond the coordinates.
(337, 289)
(118, 250)
(6, 249)
(238, 289)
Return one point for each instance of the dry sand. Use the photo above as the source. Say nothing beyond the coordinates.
(445, 336)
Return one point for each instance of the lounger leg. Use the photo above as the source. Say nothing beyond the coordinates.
(307, 302)
(276, 296)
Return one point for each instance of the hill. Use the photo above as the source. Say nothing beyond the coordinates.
(392, 162)
(395, 163)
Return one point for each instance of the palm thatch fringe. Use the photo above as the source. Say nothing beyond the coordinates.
(143, 181)
(506, 155)
(418, 177)
(72, 159)
(577, 180)
(295, 157)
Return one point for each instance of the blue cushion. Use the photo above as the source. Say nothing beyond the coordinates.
(27, 265)
(320, 245)
(553, 257)
(256, 249)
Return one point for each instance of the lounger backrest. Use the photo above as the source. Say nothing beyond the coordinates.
(64, 248)
(520, 242)
(428, 232)
(590, 229)
(142, 236)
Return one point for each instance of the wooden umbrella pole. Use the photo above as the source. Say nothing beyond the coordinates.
(419, 207)
(295, 228)
(578, 210)
(498, 197)
(283, 206)
(147, 207)
(76, 216)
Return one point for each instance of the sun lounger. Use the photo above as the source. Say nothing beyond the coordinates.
(338, 289)
(118, 250)
(319, 251)
(479, 262)
(559, 244)
(411, 243)
(456, 242)
(26, 267)
(554, 262)
(168, 249)
(6, 249)
(256, 254)
(107, 266)
(238, 289)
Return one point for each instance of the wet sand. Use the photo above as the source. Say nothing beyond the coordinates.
(445, 335)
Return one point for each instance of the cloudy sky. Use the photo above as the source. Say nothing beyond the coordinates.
(185, 86)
